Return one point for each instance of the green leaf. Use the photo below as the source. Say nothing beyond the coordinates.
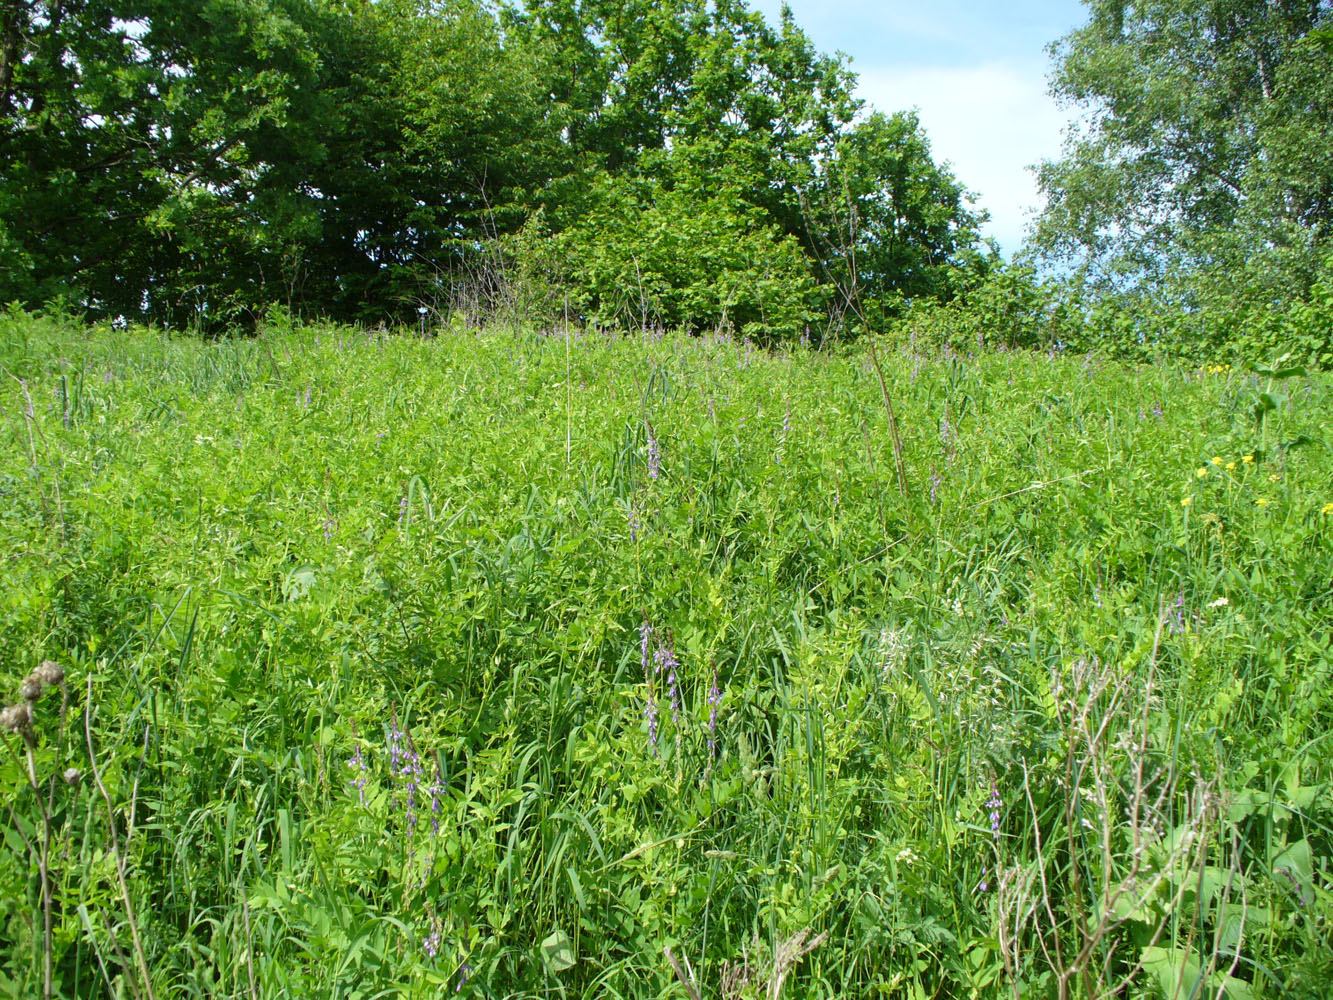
(298, 583)
(1176, 970)
(1295, 866)
(558, 951)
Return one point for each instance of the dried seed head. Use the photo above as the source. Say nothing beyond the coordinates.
(50, 673)
(17, 718)
(31, 688)
(72, 776)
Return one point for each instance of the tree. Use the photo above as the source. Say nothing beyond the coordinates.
(889, 225)
(195, 163)
(758, 146)
(1205, 135)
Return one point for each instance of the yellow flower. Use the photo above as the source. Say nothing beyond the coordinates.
(1247, 459)
(1328, 509)
(1273, 477)
(1262, 502)
(1217, 459)
(1186, 501)
(1231, 467)
(1201, 471)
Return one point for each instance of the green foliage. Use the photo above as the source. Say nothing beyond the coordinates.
(1243, 317)
(1202, 117)
(260, 559)
(694, 256)
(888, 223)
(193, 164)
(1005, 306)
(1192, 208)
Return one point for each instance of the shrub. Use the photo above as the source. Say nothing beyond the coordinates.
(647, 255)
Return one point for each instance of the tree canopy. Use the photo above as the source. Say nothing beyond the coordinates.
(1205, 134)
(197, 163)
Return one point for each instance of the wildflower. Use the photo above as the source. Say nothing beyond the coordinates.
(1231, 467)
(645, 637)
(1327, 509)
(993, 804)
(650, 715)
(49, 674)
(1273, 477)
(1221, 602)
(1247, 459)
(17, 719)
(984, 884)
(668, 664)
(30, 689)
(654, 455)
(72, 775)
(714, 700)
(1201, 472)
(431, 943)
(632, 516)
(1176, 616)
(411, 770)
(464, 974)
(1218, 459)
(947, 437)
(1262, 502)
(935, 482)
(358, 764)
(1157, 410)
(1186, 501)
(396, 755)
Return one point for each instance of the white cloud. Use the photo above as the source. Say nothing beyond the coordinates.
(990, 122)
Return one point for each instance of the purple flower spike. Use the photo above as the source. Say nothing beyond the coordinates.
(668, 664)
(645, 637)
(358, 764)
(654, 455)
(650, 714)
(396, 755)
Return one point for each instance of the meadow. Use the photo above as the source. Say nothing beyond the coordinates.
(518, 662)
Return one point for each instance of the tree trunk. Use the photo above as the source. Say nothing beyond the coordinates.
(11, 32)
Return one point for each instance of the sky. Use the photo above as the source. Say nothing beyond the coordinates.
(975, 71)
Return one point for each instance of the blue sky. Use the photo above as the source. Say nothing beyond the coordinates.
(975, 71)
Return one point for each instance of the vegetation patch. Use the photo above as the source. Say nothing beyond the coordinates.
(525, 662)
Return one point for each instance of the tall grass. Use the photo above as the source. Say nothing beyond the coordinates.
(1033, 701)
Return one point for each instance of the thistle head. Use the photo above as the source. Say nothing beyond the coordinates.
(17, 719)
(50, 673)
